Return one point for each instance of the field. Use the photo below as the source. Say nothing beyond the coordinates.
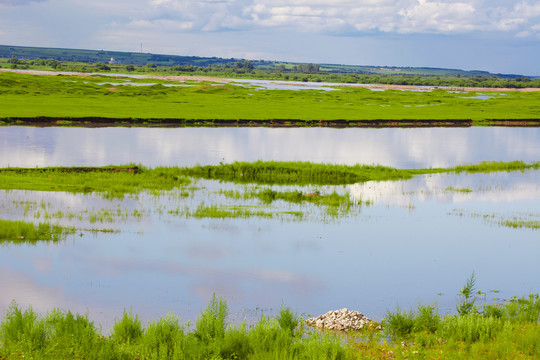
(27, 97)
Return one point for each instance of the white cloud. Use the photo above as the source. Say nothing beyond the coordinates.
(347, 16)
(293, 30)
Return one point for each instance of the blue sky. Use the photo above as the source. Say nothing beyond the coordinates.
(492, 35)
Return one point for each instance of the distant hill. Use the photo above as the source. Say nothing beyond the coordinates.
(139, 58)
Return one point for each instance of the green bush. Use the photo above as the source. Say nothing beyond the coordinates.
(287, 320)
(211, 324)
(161, 337)
(128, 329)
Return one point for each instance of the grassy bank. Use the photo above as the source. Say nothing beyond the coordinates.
(75, 97)
(119, 180)
(497, 331)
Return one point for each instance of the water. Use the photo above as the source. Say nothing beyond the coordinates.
(402, 148)
(419, 240)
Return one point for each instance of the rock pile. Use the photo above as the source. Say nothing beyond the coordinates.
(340, 320)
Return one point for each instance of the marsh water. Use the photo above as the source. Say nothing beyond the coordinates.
(402, 243)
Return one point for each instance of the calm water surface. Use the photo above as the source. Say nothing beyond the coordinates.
(418, 240)
(403, 148)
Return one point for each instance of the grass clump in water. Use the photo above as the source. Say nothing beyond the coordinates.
(116, 181)
(223, 212)
(494, 166)
(296, 173)
(14, 231)
(112, 181)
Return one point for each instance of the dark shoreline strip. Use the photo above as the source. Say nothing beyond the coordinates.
(75, 169)
(274, 123)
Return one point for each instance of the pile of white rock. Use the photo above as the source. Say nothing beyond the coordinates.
(340, 320)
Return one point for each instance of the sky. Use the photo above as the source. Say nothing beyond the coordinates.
(500, 36)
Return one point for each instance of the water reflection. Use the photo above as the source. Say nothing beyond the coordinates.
(402, 148)
(451, 188)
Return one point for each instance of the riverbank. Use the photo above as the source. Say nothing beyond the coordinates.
(100, 122)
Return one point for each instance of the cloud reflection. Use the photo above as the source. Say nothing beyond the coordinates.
(450, 188)
(403, 148)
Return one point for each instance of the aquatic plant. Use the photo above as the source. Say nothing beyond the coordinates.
(14, 231)
(467, 303)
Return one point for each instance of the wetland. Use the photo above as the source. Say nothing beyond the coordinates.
(96, 220)
(166, 236)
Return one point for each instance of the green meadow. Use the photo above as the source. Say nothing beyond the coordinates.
(77, 97)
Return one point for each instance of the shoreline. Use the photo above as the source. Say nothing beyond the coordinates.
(95, 122)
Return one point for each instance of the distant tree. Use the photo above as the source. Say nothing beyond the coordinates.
(13, 60)
(130, 68)
(248, 65)
(151, 65)
(101, 67)
(52, 63)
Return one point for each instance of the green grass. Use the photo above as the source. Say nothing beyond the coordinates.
(511, 332)
(296, 173)
(20, 232)
(112, 181)
(116, 181)
(69, 97)
(223, 212)
(306, 173)
(61, 335)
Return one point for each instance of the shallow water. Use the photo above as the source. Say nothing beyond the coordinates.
(416, 241)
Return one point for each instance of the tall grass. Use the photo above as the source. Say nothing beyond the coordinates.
(495, 326)
(128, 329)
(62, 335)
(423, 333)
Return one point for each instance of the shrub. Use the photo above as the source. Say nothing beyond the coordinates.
(127, 329)
(211, 324)
(160, 338)
(287, 320)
